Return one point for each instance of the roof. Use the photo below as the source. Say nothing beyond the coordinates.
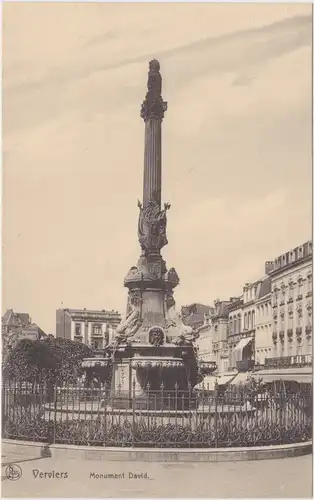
(194, 314)
(194, 319)
(222, 309)
(6, 317)
(264, 288)
(196, 308)
(33, 331)
(11, 318)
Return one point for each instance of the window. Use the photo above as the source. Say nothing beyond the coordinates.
(234, 324)
(96, 329)
(309, 283)
(78, 329)
(239, 323)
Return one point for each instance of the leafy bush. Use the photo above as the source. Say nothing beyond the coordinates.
(51, 360)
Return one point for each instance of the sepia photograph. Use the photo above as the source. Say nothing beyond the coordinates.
(157, 258)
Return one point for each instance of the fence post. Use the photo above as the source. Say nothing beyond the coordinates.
(55, 413)
(216, 413)
(280, 416)
(3, 408)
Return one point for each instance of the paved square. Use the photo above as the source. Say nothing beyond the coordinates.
(285, 478)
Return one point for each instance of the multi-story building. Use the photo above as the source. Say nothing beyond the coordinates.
(219, 322)
(93, 328)
(18, 326)
(204, 343)
(263, 321)
(291, 291)
(13, 322)
(235, 329)
(242, 327)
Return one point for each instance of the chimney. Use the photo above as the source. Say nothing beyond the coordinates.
(269, 266)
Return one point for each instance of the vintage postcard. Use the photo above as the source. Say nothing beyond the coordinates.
(157, 250)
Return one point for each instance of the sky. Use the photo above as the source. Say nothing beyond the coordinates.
(236, 146)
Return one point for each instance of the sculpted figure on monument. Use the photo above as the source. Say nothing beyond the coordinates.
(187, 337)
(132, 321)
(170, 310)
(172, 276)
(153, 106)
(152, 226)
(156, 336)
(134, 274)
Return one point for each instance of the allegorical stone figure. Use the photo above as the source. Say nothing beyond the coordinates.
(132, 321)
(152, 226)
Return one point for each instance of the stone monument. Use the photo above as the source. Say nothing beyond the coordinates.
(152, 348)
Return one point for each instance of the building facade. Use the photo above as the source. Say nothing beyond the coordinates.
(212, 342)
(94, 328)
(18, 326)
(219, 324)
(204, 343)
(235, 329)
(291, 293)
(263, 322)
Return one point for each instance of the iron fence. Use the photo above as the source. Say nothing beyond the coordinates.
(185, 419)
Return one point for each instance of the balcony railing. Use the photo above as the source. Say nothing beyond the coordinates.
(289, 361)
(97, 333)
(245, 365)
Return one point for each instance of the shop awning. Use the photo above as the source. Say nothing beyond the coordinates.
(209, 382)
(240, 346)
(240, 378)
(301, 375)
(225, 379)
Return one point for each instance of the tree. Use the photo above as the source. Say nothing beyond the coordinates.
(51, 360)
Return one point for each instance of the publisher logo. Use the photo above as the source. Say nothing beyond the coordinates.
(13, 472)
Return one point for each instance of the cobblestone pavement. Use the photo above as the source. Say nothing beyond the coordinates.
(285, 478)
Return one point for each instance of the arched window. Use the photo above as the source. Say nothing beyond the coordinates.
(245, 321)
(249, 320)
(234, 324)
(253, 319)
(239, 323)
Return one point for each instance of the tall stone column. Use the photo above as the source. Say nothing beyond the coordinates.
(152, 112)
(152, 162)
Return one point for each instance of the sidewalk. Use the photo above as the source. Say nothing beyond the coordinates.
(285, 478)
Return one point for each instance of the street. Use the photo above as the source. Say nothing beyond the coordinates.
(285, 478)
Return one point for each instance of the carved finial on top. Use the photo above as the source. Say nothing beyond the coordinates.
(153, 106)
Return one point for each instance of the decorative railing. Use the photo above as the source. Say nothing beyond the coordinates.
(289, 361)
(241, 416)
